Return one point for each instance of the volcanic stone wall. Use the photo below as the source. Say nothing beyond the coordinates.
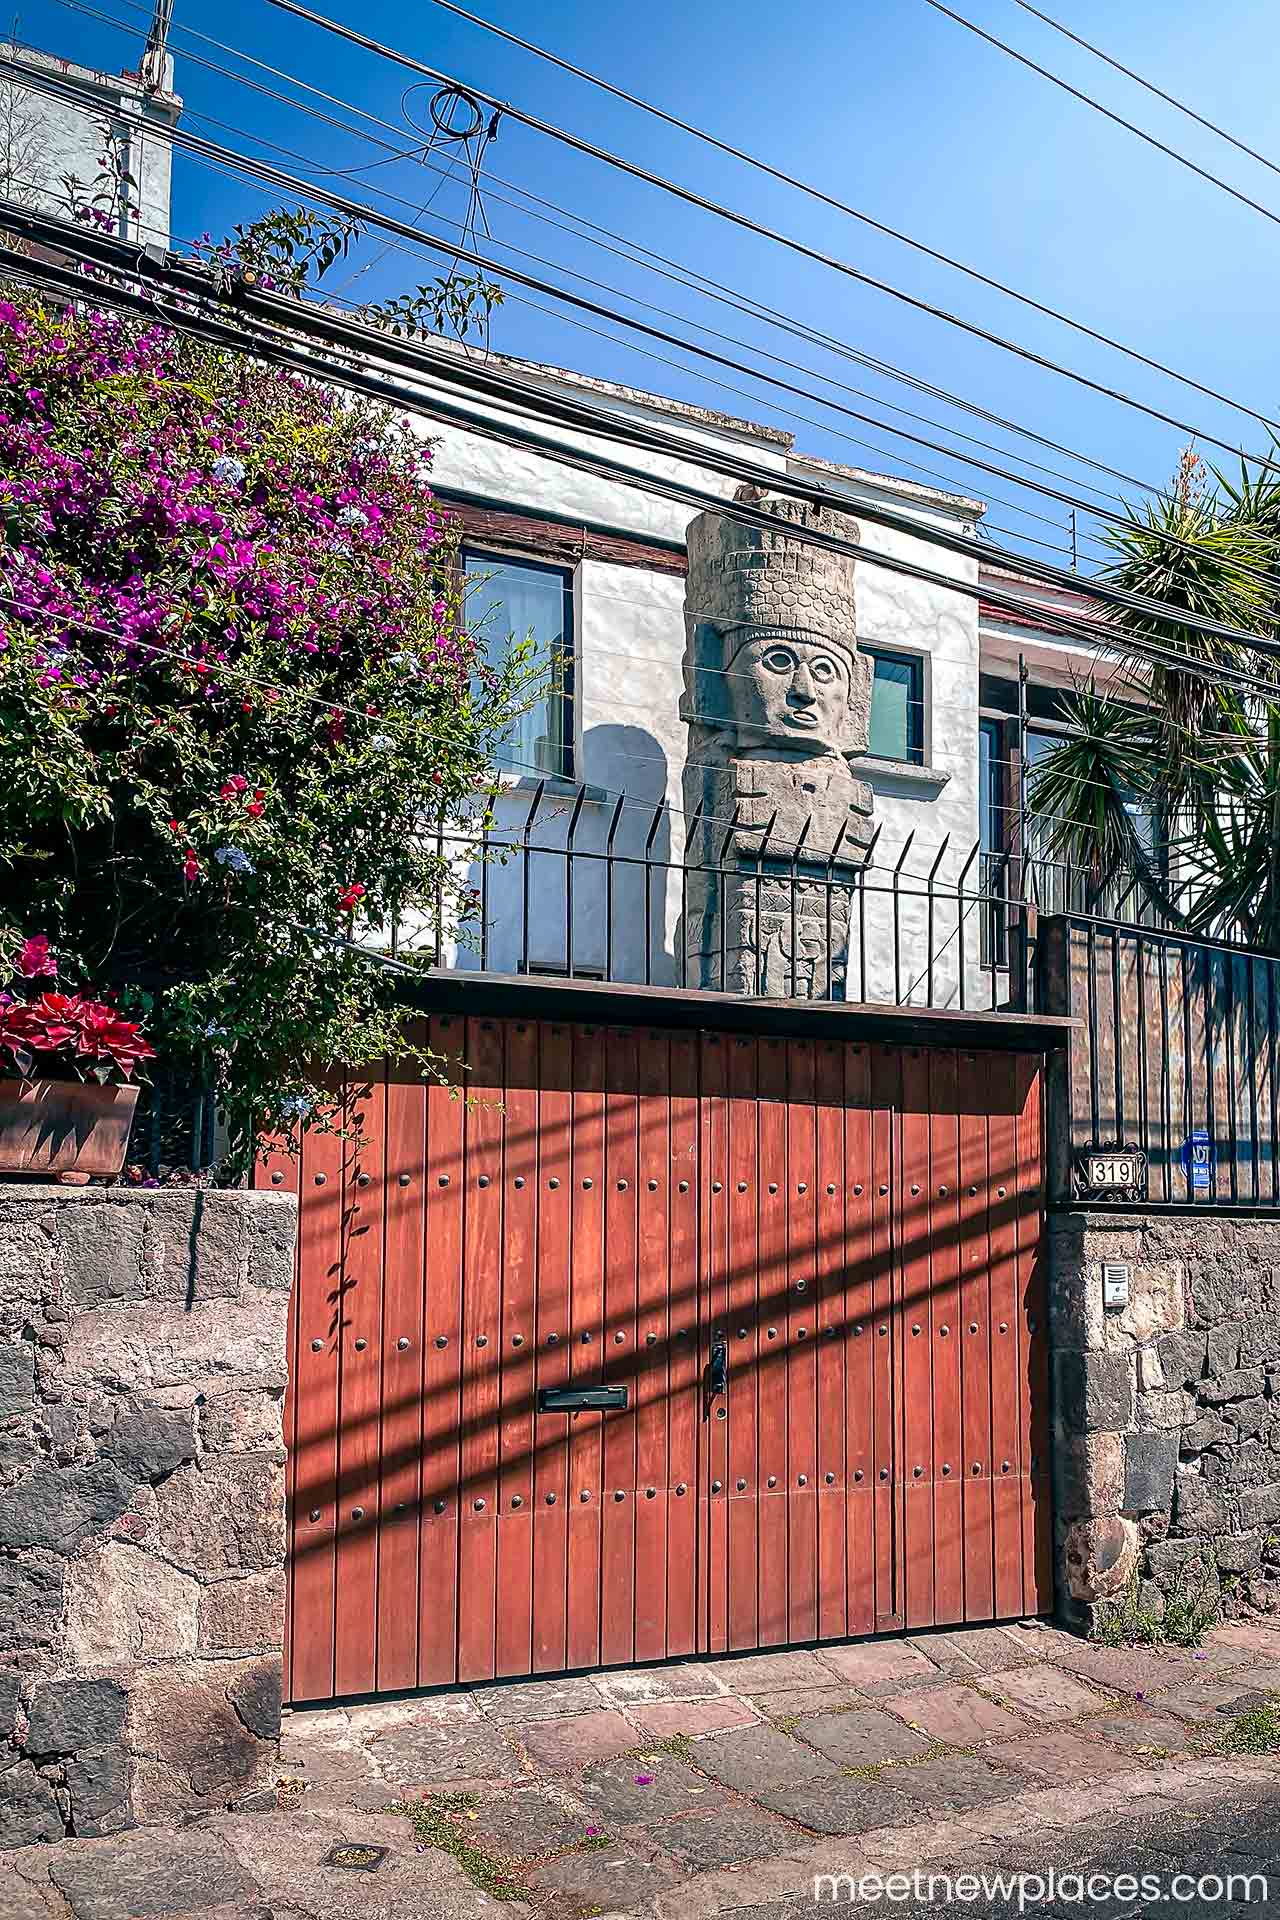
(1167, 1411)
(142, 1376)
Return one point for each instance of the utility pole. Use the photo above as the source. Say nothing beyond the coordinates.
(156, 65)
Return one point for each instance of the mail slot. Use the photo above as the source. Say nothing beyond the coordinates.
(574, 1399)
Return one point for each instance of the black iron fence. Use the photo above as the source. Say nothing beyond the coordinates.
(564, 885)
(1177, 1057)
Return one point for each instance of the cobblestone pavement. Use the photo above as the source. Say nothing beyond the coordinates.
(725, 1786)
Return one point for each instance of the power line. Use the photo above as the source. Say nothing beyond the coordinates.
(1211, 126)
(692, 198)
(678, 273)
(437, 360)
(211, 153)
(754, 161)
(957, 455)
(360, 211)
(187, 322)
(1117, 119)
(961, 458)
(343, 336)
(26, 614)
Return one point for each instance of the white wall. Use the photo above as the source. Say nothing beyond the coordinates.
(44, 139)
(630, 641)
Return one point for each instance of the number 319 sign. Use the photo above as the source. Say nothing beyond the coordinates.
(1113, 1170)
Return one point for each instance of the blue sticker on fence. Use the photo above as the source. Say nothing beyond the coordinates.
(1198, 1161)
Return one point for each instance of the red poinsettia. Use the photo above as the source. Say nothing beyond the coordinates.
(88, 1035)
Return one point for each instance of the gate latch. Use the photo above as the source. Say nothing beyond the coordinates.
(718, 1370)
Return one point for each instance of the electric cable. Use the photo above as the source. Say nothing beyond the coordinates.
(298, 316)
(437, 360)
(1170, 99)
(680, 274)
(361, 211)
(691, 197)
(1117, 119)
(238, 163)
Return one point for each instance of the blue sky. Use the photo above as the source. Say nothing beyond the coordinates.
(884, 103)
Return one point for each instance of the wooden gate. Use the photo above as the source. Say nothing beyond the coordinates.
(812, 1267)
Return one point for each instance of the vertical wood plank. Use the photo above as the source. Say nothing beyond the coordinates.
(317, 1415)
(946, 1466)
(276, 1171)
(360, 1338)
(713, 1492)
(653, 1356)
(1002, 1189)
(886, 1095)
(975, 1309)
(620, 1493)
(741, 1330)
(517, 1362)
(772, 1400)
(1035, 1435)
(916, 1323)
(859, 1343)
(802, 1367)
(829, 1332)
(686, 1569)
(402, 1384)
(586, 1451)
(481, 1352)
(442, 1407)
(551, 1456)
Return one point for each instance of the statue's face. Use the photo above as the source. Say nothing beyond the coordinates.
(793, 688)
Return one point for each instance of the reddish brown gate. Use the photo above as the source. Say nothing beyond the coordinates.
(804, 1278)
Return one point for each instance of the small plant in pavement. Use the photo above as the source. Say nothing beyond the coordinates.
(1257, 1731)
(436, 1822)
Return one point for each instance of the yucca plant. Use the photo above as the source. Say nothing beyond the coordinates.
(1197, 753)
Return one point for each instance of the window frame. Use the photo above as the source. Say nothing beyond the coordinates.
(567, 694)
(917, 754)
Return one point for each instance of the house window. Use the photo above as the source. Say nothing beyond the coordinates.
(993, 839)
(509, 602)
(897, 705)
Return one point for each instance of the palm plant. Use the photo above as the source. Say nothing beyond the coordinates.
(1195, 753)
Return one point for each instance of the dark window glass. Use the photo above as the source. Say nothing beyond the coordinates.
(509, 602)
(897, 705)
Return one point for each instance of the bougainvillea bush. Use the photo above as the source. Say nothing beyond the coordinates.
(234, 687)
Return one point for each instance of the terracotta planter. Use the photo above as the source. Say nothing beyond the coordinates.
(64, 1129)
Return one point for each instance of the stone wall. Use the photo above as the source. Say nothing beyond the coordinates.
(142, 1375)
(1167, 1411)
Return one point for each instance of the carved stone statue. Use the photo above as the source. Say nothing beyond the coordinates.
(777, 700)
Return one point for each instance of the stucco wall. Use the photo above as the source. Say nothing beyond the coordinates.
(142, 1375)
(1167, 1411)
(44, 139)
(630, 641)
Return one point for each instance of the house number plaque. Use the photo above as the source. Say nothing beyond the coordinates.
(1119, 1171)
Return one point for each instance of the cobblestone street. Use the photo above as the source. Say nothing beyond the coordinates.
(727, 1785)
